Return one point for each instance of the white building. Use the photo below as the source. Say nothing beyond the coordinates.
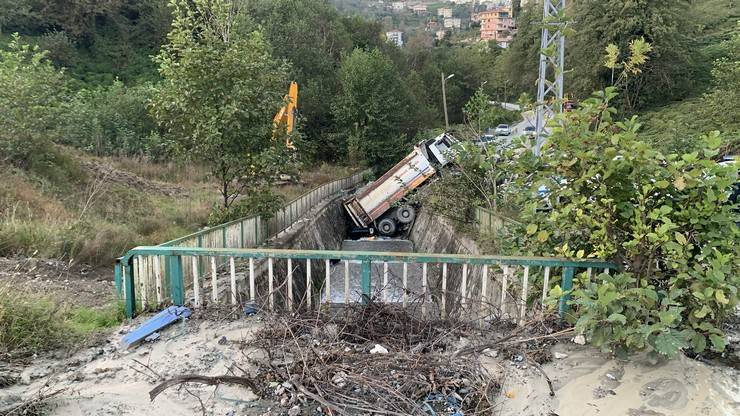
(395, 37)
(444, 12)
(418, 8)
(453, 23)
(398, 6)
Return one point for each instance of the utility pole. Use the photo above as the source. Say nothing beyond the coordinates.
(550, 90)
(444, 99)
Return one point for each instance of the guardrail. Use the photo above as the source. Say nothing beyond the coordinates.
(437, 284)
(241, 233)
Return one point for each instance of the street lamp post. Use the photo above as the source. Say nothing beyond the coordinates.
(444, 99)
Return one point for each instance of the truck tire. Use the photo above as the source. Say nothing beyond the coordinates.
(387, 227)
(406, 214)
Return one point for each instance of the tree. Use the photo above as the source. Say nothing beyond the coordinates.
(31, 93)
(666, 26)
(666, 219)
(721, 106)
(375, 120)
(312, 36)
(220, 90)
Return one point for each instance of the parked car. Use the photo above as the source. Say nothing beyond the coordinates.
(488, 137)
(530, 131)
(503, 130)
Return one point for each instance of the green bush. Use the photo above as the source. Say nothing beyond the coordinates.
(113, 120)
(666, 219)
(31, 91)
(30, 324)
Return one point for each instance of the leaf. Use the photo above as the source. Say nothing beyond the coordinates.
(681, 239)
(721, 298)
(617, 317)
(662, 184)
(667, 317)
(718, 343)
(679, 183)
(701, 313)
(698, 343)
(542, 236)
(531, 229)
(580, 254)
(668, 344)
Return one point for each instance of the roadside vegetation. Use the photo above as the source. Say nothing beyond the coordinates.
(31, 323)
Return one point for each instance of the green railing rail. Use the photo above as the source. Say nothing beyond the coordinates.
(442, 283)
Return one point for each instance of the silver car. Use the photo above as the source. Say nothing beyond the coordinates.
(503, 130)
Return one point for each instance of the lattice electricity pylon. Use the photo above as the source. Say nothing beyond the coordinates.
(552, 57)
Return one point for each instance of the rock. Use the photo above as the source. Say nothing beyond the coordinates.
(339, 379)
(560, 355)
(379, 349)
(611, 377)
(222, 341)
(580, 340)
(294, 411)
(490, 353)
(517, 358)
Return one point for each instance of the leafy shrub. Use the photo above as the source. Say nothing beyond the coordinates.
(31, 90)
(113, 120)
(665, 218)
(30, 324)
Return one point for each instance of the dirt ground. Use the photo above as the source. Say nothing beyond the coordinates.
(104, 380)
(75, 285)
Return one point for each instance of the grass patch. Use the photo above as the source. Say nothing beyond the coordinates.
(32, 324)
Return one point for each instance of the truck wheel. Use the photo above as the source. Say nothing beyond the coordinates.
(387, 227)
(406, 214)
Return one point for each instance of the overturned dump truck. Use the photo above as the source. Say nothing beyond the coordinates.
(380, 205)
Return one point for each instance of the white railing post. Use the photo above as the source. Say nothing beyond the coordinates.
(290, 285)
(545, 284)
(214, 281)
(525, 288)
(270, 284)
(232, 268)
(309, 285)
(196, 282)
(444, 291)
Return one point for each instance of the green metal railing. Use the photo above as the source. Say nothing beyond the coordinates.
(285, 279)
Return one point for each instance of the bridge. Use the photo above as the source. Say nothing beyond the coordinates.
(296, 260)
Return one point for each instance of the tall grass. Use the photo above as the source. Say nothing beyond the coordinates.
(31, 324)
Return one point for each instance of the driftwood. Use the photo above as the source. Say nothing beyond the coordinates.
(194, 378)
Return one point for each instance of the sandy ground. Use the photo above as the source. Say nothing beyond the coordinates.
(587, 383)
(76, 285)
(105, 381)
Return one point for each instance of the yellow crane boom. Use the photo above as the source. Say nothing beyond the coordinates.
(285, 117)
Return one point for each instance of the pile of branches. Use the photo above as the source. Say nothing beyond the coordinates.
(379, 359)
(373, 358)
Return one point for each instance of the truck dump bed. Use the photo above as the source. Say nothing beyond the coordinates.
(367, 206)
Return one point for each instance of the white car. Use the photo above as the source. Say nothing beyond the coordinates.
(503, 130)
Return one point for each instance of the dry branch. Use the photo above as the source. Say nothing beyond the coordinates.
(193, 378)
